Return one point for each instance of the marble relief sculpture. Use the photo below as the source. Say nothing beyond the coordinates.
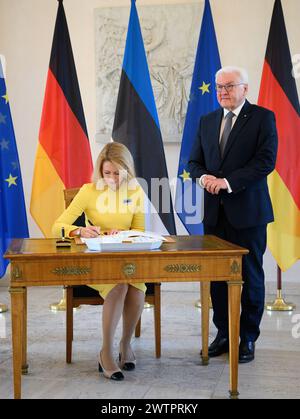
(170, 46)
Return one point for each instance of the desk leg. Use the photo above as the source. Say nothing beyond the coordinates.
(18, 296)
(205, 293)
(234, 303)
(24, 335)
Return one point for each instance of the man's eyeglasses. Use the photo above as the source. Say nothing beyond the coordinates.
(227, 87)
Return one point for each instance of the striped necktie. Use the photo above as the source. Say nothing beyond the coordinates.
(226, 132)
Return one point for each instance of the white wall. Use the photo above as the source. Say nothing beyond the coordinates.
(26, 31)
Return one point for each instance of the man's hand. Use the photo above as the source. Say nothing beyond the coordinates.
(214, 185)
(206, 178)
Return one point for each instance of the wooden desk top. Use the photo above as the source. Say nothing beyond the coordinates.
(187, 258)
(185, 245)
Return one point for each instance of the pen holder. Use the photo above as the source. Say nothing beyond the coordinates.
(63, 243)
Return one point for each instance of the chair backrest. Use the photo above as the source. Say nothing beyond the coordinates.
(69, 195)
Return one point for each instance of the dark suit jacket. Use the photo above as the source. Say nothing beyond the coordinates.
(249, 156)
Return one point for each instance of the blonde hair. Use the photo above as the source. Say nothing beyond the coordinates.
(117, 154)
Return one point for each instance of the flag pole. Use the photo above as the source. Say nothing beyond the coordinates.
(279, 304)
(3, 308)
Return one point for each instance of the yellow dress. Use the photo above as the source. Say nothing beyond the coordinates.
(122, 209)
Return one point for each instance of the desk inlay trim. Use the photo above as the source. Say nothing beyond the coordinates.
(235, 267)
(182, 268)
(71, 270)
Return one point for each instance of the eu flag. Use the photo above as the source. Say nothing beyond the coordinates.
(202, 100)
(136, 125)
(13, 220)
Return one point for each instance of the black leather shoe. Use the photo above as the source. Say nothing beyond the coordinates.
(246, 352)
(218, 347)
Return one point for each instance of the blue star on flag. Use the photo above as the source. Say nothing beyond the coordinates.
(4, 144)
(2, 118)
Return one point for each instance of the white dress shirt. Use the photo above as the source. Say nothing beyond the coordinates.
(236, 113)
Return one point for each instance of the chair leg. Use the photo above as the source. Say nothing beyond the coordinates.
(69, 324)
(138, 329)
(157, 320)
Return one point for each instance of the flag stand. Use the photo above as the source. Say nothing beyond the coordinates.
(198, 303)
(62, 305)
(279, 304)
(3, 308)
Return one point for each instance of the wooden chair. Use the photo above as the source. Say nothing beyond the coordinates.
(77, 295)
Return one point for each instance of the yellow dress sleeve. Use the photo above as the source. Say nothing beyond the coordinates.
(138, 219)
(74, 210)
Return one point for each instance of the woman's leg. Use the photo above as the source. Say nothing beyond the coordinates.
(133, 307)
(112, 311)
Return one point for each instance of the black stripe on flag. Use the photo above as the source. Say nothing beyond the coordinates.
(63, 67)
(278, 55)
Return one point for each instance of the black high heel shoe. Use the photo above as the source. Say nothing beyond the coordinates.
(126, 365)
(112, 375)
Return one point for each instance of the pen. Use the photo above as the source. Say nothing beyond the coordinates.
(100, 233)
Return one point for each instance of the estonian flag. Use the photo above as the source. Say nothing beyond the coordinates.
(278, 92)
(63, 158)
(136, 125)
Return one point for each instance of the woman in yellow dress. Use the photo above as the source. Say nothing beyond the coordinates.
(112, 202)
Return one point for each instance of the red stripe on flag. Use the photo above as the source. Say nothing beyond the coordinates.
(273, 97)
(63, 139)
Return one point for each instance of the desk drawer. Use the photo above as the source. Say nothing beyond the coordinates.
(86, 270)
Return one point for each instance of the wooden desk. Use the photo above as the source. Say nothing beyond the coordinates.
(37, 262)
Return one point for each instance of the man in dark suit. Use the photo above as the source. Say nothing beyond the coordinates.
(233, 153)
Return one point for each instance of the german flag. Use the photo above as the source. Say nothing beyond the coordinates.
(63, 158)
(278, 92)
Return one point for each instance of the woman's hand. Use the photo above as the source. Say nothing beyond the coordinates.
(90, 232)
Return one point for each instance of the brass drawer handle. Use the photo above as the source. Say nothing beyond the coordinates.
(129, 269)
(16, 272)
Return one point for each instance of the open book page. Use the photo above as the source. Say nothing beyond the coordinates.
(127, 236)
(136, 233)
(130, 240)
